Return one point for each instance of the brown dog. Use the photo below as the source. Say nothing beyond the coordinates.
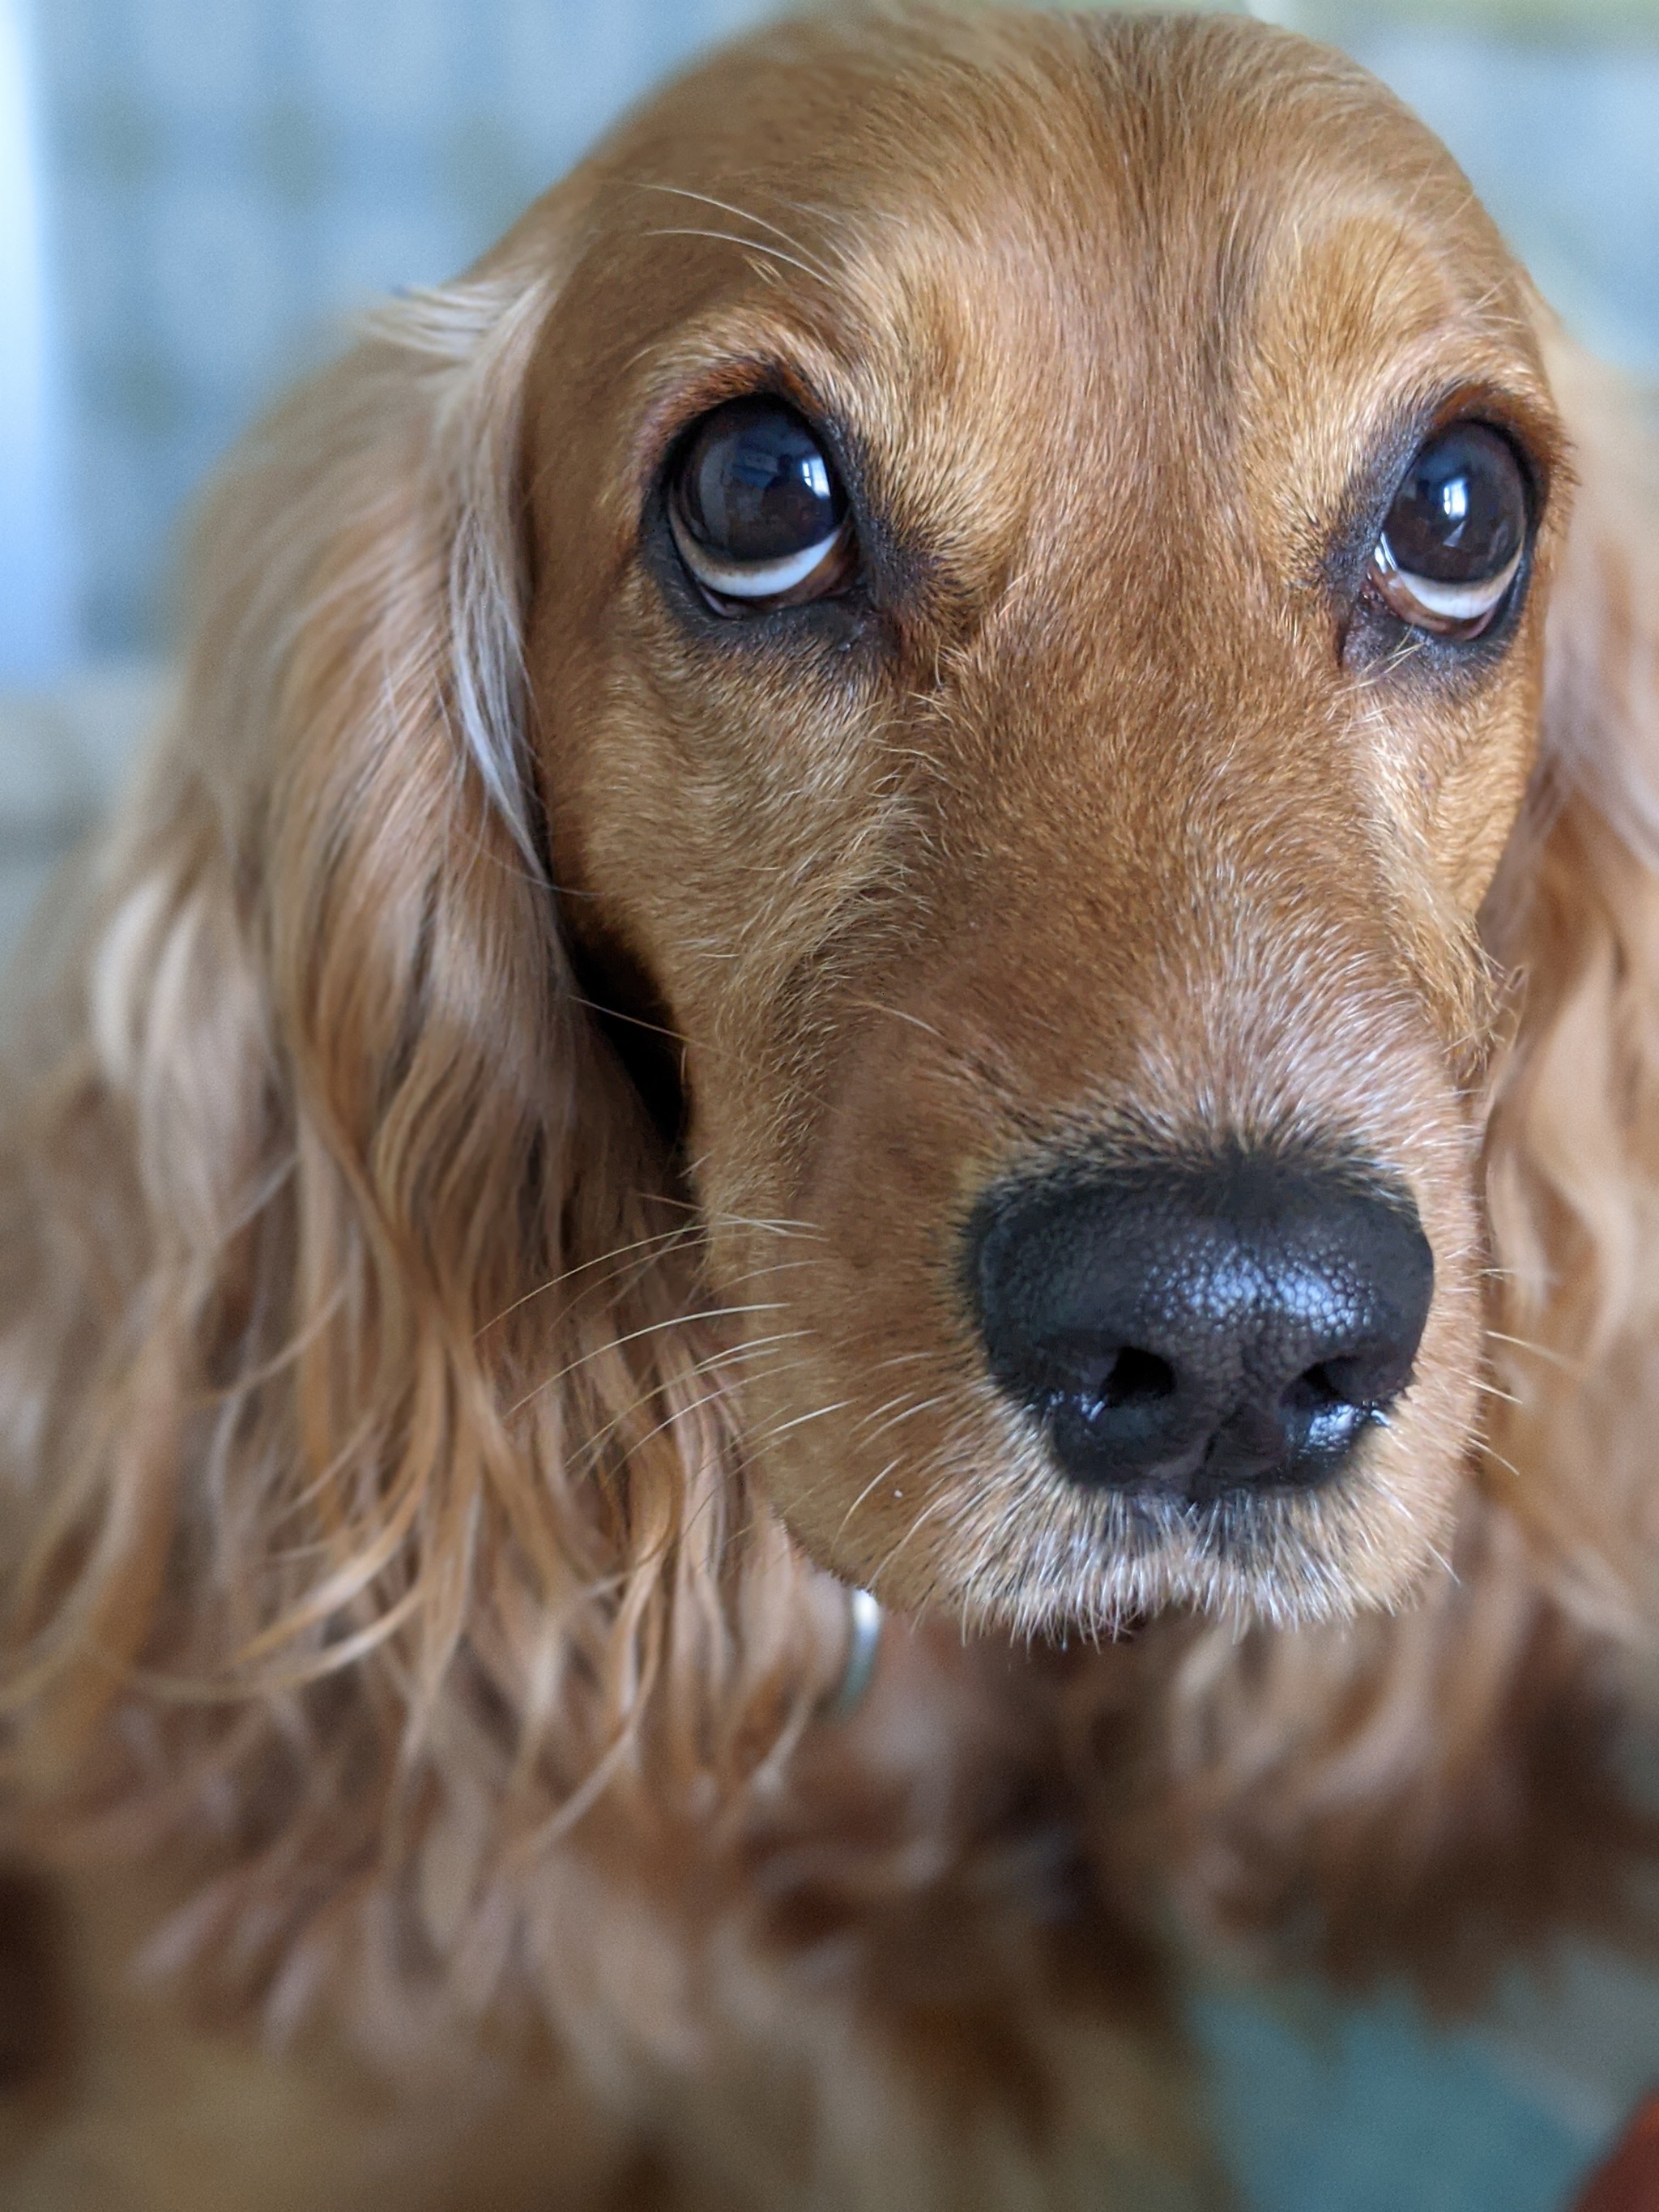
(919, 856)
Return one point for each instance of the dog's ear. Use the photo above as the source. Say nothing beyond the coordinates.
(1573, 1143)
(376, 1347)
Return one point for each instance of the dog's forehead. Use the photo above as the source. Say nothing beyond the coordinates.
(1007, 250)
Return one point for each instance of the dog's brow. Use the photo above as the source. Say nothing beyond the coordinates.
(805, 261)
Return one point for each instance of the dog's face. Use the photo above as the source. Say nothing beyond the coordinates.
(1038, 579)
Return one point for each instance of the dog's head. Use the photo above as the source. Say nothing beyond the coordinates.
(1039, 564)
(932, 667)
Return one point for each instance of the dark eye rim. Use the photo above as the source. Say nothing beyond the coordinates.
(1370, 631)
(846, 555)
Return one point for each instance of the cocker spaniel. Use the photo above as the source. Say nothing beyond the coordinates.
(916, 866)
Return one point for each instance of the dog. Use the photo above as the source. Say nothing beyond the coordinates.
(840, 1207)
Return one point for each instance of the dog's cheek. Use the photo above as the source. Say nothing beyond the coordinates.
(1424, 1451)
(1475, 790)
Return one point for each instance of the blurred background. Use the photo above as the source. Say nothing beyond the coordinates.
(195, 196)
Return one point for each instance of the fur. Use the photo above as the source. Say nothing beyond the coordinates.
(474, 1215)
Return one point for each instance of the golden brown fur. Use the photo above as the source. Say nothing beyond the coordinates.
(427, 1486)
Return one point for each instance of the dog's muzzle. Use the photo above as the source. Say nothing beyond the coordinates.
(1201, 1327)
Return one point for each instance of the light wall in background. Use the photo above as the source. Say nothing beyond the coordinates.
(233, 178)
(36, 620)
(229, 178)
(1559, 135)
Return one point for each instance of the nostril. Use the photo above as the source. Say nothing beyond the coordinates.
(1325, 1408)
(1355, 1379)
(1109, 1377)
(1318, 1389)
(1137, 1377)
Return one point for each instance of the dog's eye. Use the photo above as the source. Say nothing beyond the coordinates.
(757, 512)
(1455, 534)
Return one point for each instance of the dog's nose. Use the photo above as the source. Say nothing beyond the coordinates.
(1200, 1328)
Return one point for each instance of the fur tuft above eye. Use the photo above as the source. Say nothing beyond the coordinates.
(758, 514)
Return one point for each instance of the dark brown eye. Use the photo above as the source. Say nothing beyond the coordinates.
(1455, 535)
(756, 510)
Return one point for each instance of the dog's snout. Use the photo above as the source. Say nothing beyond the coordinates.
(1200, 1328)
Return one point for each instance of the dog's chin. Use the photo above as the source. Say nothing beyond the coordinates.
(1018, 1550)
(1049, 1561)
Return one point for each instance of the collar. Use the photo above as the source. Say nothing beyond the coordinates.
(863, 1650)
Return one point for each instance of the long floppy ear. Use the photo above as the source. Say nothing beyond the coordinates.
(1573, 1140)
(355, 1376)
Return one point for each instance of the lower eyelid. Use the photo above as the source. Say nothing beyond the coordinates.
(762, 582)
(1447, 603)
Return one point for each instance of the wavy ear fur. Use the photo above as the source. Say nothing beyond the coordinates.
(1435, 1786)
(1573, 1142)
(377, 1501)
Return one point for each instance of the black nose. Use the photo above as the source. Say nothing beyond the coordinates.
(1201, 1327)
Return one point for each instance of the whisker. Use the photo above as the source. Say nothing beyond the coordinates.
(633, 1021)
(874, 1484)
(899, 1014)
(922, 1405)
(939, 1504)
(1491, 1390)
(886, 1406)
(636, 1405)
(781, 1228)
(783, 1428)
(662, 1236)
(1491, 1452)
(745, 215)
(1577, 1368)
(747, 244)
(634, 1336)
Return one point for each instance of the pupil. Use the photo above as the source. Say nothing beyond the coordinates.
(756, 485)
(1460, 514)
